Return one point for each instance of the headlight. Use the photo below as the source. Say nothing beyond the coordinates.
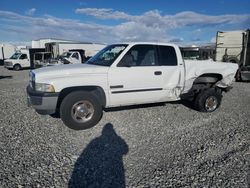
(44, 87)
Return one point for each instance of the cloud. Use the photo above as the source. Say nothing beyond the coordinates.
(176, 40)
(49, 26)
(213, 39)
(149, 26)
(103, 13)
(31, 11)
(154, 18)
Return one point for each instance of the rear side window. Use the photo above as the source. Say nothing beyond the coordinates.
(167, 56)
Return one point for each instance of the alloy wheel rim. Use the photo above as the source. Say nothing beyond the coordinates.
(82, 111)
(211, 103)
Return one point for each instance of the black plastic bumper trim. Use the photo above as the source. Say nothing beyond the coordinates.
(32, 92)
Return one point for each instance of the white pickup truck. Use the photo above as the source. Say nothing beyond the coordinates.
(127, 74)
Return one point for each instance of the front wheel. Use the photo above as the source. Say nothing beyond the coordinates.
(17, 67)
(208, 100)
(80, 110)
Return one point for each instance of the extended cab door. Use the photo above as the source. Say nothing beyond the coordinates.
(145, 74)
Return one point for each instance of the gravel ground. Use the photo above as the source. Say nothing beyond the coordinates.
(150, 146)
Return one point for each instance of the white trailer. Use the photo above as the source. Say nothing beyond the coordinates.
(58, 48)
(40, 43)
(6, 51)
(234, 47)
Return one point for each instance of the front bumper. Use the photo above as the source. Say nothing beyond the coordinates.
(8, 65)
(44, 103)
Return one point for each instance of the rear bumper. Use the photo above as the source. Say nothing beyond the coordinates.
(43, 103)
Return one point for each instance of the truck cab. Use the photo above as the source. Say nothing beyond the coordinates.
(18, 60)
(73, 57)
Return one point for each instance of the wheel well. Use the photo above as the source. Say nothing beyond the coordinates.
(208, 78)
(17, 64)
(233, 60)
(96, 90)
(203, 82)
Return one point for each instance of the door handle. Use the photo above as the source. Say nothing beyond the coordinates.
(158, 72)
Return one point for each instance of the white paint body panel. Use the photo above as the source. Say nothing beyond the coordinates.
(173, 81)
(232, 41)
(196, 68)
(6, 51)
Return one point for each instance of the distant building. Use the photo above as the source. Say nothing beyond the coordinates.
(40, 43)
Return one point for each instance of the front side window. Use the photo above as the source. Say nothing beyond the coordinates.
(23, 56)
(107, 55)
(140, 55)
(66, 55)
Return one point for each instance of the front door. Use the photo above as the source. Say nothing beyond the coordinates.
(141, 78)
(24, 61)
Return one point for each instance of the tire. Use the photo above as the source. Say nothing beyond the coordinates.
(238, 76)
(17, 67)
(208, 100)
(80, 110)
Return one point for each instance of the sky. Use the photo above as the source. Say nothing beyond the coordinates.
(179, 21)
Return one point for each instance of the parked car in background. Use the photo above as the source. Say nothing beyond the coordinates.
(234, 47)
(58, 48)
(198, 53)
(22, 59)
(73, 56)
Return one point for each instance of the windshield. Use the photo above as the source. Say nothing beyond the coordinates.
(16, 55)
(107, 55)
(66, 54)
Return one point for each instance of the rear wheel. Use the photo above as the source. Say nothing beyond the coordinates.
(208, 100)
(80, 110)
(17, 67)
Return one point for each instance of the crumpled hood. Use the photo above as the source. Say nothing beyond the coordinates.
(69, 70)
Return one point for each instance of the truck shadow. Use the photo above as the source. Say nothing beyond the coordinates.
(120, 108)
(6, 77)
(101, 164)
(187, 104)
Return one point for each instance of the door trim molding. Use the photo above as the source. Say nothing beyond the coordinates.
(136, 90)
